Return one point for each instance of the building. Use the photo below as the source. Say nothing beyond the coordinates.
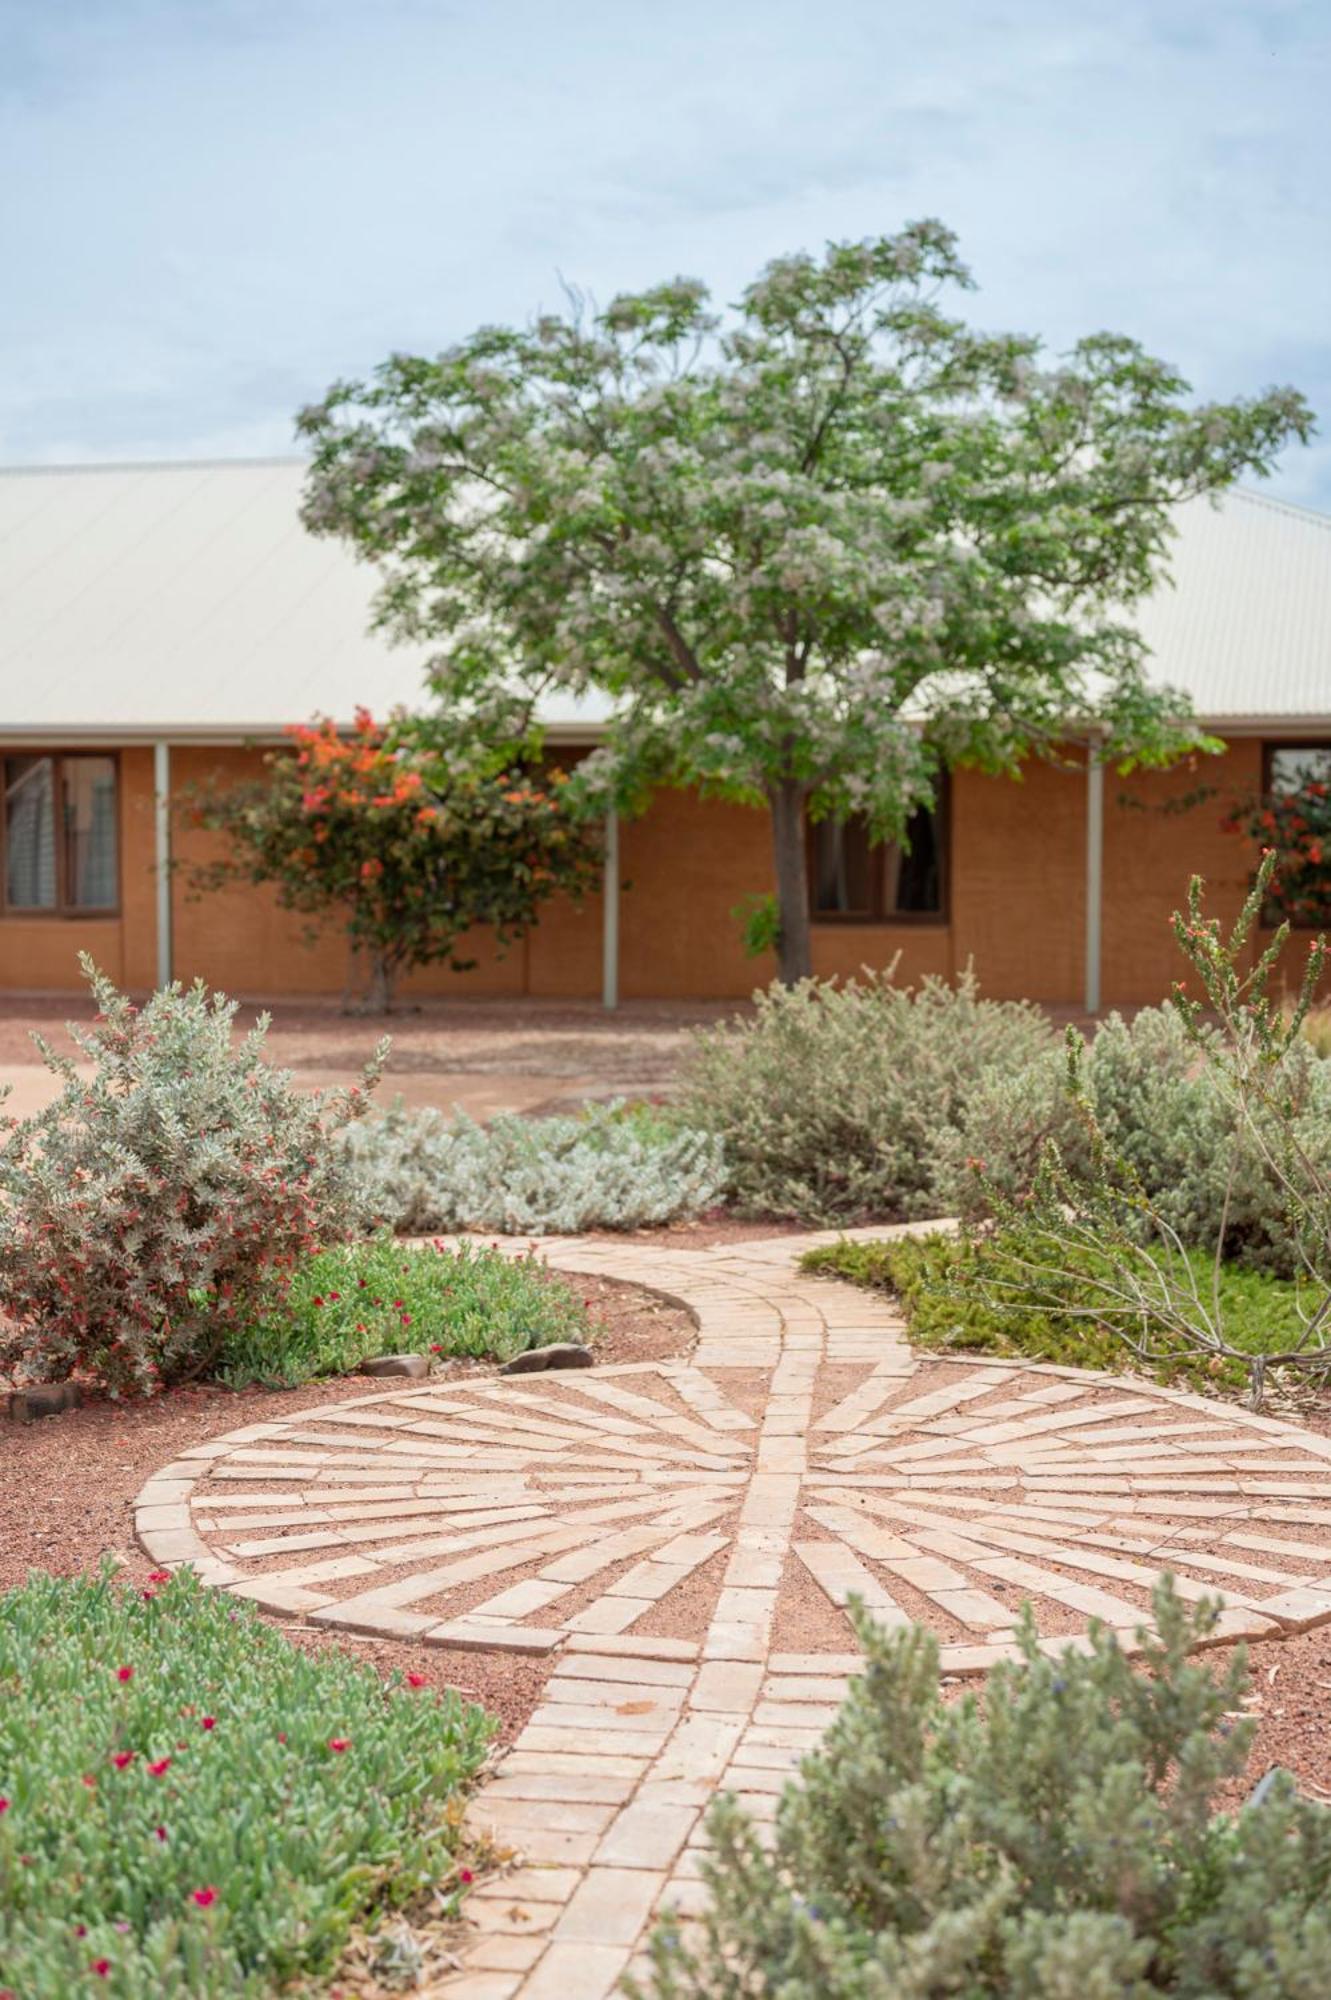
(158, 622)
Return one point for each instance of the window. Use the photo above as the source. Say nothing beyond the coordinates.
(853, 879)
(60, 835)
(1291, 766)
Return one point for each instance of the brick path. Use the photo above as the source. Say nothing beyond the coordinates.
(679, 1537)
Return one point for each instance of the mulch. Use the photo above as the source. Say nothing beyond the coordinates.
(70, 1483)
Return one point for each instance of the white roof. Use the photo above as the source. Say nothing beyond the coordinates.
(186, 600)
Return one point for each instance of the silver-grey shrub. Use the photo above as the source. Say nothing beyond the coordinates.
(605, 1168)
(146, 1211)
(832, 1100)
(1057, 1840)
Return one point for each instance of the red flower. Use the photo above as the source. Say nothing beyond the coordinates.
(160, 1768)
(334, 1298)
(207, 1722)
(435, 1347)
(122, 1758)
(281, 1736)
(159, 1576)
(124, 1673)
(316, 1302)
(159, 1832)
(205, 1898)
(465, 1877)
(102, 1967)
(4, 1805)
(339, 1743)
(406, 1319)
(413, 1681)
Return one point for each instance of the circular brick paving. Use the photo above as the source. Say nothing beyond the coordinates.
(682, 1537)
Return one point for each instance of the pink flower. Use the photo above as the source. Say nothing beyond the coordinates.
(124, 1673)
(207, 1722)
(102, 1967)
(159, 1576)
(160, 1768)
(335, 1298)
(415, 1680)
(122, 1758)
(4, 1805)
(339, 1743)
(205, 1898)
(406, 1319)
(159, 1833)
(465, 1877)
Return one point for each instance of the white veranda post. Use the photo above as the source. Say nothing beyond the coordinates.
(162, 858)
(1095, 859)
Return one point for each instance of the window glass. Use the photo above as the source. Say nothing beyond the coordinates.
(912, 877)
(1293, 765)
(856, 877)
(843, 868)
(90, 832)
(30, 868)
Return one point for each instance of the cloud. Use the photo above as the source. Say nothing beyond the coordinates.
(227, 203)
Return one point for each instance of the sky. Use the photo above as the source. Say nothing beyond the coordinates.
(214, 208)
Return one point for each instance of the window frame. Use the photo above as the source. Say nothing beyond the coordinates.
(1270, 919)
(879, 917)
(61, 911)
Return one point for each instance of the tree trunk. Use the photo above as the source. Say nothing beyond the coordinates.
(794, 951)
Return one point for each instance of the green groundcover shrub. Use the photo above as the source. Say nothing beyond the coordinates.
(358, 1300)
(947, 1286)
(193, 1809)
(830, 1099)
(1056, 1839)
(614, 1166)
(146, 1210)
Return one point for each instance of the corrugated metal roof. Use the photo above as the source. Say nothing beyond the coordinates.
(1246, 625)
(187, 600)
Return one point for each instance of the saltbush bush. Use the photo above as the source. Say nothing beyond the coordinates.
(191, 1808)
(831, 1101)
(383, 1297)
(1056, 1840)
(145, 1211)
(610, 1167)
(1165, 1110)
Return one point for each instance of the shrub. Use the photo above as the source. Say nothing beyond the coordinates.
(144, 1212)
(830, 1100)
(1162, 1107)
(611, 1167)
(996, 1294)
(383, 1297)
(198, 1806)
(1057, 1840)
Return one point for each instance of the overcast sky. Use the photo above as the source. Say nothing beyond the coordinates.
(214, 207)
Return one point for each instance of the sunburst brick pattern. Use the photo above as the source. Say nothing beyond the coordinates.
(681, 1539)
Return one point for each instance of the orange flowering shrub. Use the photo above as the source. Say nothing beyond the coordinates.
(410, 846)
(1295, 824)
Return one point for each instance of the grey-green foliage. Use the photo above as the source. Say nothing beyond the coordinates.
(1164, 1108)
(1056, 1841)
(605, 1168)
(1167, 1110)
(833, 1101)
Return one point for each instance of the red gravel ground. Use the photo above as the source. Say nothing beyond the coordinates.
(70, 1483)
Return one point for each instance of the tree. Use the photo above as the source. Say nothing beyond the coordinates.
(815, 549)
(412, 842)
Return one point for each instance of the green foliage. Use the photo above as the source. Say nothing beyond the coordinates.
(830, 1100)
(995, 1294)
(1101, 1222)
(759, 920)
(357, 1300)
(408, 841)
(1057, 1840)
(1161, 1104)
(147, 1209)
(265, 1799)
(778, 538)
(614, 1166)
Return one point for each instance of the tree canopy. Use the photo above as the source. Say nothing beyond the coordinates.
(814, 548)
